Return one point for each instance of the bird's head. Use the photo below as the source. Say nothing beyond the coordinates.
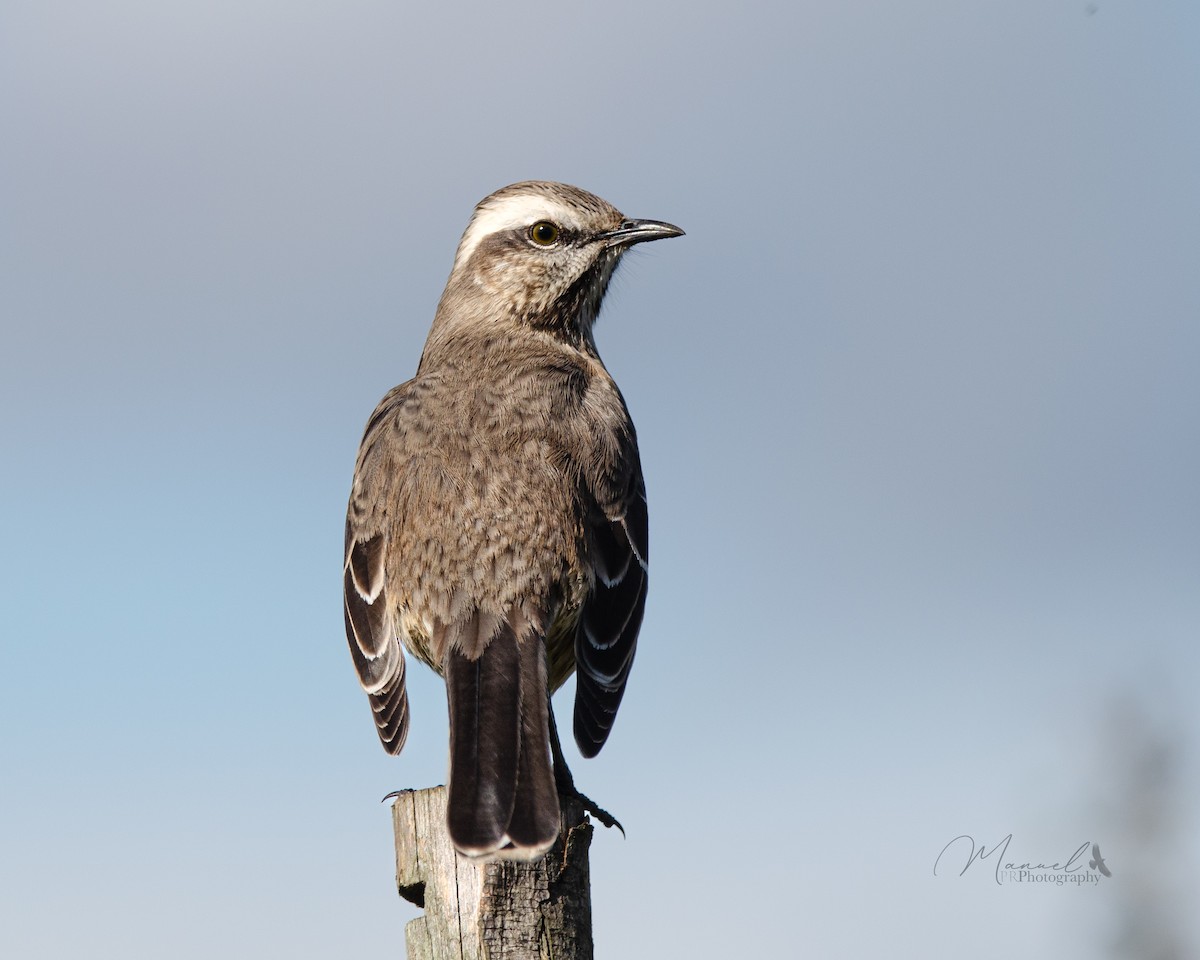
(542, 254)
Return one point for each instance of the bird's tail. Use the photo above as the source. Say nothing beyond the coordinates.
(502, 795)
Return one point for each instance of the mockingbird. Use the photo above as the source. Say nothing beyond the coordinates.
(497, 522)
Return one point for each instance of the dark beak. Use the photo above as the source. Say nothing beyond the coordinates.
(639, 231)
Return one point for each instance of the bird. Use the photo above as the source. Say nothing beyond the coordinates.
(1097, 861)
(497, 527)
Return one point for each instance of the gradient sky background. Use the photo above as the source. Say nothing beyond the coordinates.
(918, 401)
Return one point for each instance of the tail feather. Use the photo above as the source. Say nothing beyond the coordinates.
(485, 725)
(502, 796)
(534, 824)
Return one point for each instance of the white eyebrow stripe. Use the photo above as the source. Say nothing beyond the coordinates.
(507, 214)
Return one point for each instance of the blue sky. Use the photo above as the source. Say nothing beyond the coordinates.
(918, 408)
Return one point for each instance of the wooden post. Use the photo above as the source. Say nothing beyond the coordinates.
(492, 909)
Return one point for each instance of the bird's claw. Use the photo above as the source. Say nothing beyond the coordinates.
(599, 813)
(569, 793)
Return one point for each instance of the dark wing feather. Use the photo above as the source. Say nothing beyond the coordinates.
(366, 565)
(606, 638)
(372, 636)
(379, 661)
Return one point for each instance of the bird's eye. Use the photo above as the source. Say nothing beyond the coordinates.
(544, 233)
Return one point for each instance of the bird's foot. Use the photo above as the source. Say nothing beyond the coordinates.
(568, 793)
(566, 783)
(598, 812)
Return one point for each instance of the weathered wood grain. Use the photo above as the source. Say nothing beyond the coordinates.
(488, 910)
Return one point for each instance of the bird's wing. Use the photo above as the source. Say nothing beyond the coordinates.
(606, 637)
(370, 631)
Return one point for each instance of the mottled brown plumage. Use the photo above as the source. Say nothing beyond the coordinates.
(497, 522)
